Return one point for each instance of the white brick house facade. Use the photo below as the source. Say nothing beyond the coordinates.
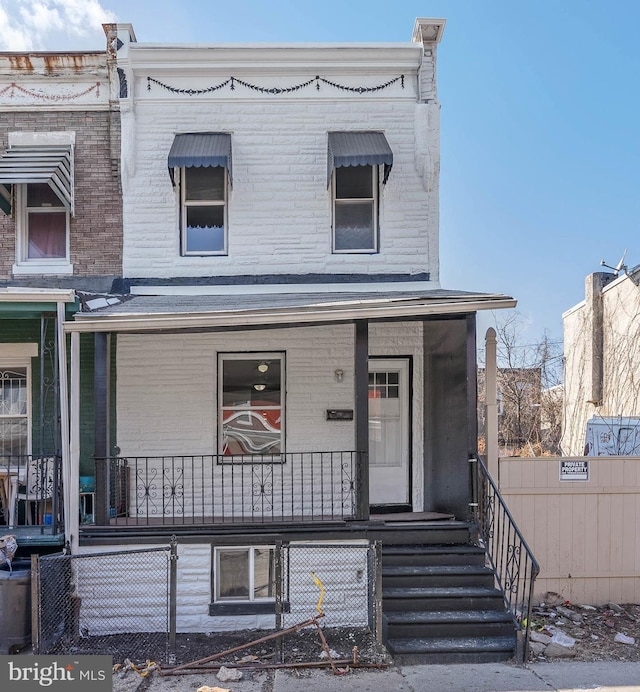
(373, 404)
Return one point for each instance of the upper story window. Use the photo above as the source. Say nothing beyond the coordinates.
(354, 162)
(200, 163)
(37, 189)
(355, 209)
(42, 223)
(203, 211)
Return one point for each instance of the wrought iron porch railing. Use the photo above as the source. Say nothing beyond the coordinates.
(212, 489)
(31, 491)
(510, 557)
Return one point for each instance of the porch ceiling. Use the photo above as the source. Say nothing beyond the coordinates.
(176, 312)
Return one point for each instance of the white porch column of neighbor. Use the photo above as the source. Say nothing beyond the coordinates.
(491, 403)
(64, 415)
(72, 482)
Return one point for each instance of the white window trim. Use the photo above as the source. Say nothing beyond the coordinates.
(10, 352)
(19, 357)
(251, 549)
(58, 265)
(266, 355)
(184, 204)
(375, 172)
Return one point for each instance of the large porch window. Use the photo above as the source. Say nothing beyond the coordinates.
(251, 400)
(14, 411)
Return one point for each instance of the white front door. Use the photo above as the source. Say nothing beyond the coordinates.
(389, 431)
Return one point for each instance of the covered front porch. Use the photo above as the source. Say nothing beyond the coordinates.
(34, 415)
(327, 446)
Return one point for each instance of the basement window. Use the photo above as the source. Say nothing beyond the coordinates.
(243, 580)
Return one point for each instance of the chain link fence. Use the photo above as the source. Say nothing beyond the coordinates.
(97, 603)
(126, 603)
(344, 587)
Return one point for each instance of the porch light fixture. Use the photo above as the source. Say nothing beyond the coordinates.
(259, 386)
(339, 375)
(263, 367)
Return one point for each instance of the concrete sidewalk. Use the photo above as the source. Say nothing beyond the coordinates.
(486, 677)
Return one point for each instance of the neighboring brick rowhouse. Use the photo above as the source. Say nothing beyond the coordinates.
(96, 228)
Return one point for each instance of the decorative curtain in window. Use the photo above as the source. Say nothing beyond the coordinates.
(47, 235)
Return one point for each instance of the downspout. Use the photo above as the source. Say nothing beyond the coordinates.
(491, 403)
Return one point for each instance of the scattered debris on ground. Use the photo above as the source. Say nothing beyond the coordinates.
(561, 629)
(348, 647)
(228, 662)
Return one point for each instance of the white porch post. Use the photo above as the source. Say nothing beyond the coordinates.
(72, 516)
(64, 414)
(491, 403)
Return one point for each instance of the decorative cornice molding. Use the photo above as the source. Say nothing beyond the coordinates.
(316, 82)
(15, 90)
(273, 60)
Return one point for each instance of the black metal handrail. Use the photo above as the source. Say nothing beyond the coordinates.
(214, 489)
(510, 557)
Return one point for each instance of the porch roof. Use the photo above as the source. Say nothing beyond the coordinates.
(32, 302)
(201, 312)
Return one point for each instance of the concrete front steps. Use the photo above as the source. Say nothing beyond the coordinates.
(440, 605)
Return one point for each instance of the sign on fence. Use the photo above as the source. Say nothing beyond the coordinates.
(574, 470)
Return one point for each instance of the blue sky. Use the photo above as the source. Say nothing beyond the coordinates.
(540, 118)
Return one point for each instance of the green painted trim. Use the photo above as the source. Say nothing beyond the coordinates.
(20, 310)
(5, 199)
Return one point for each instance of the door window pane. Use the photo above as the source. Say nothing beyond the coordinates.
(384, 385)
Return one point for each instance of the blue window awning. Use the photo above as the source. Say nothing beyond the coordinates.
(200, 149)
(359, 149)
(52, 165)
